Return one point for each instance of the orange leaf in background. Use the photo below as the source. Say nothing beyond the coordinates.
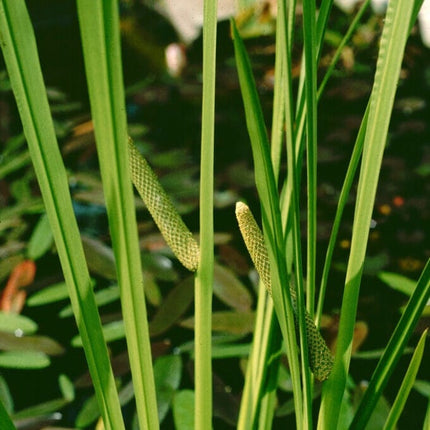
(398, 201)
(13, 297)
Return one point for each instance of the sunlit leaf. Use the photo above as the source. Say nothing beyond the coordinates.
(41, 239)
(41, 410)
(183, 410)
(5, 396)
(407, 383)
(398, 282)
(423, 387)
(53, 293)
(167, 375)
(24, 360)
(66, 387)
(103, 297)
(231, 350)
(17, 324)
(375, 354)
(111, 332)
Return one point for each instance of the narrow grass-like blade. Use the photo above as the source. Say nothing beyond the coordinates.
(394, 349)
(343, 198)
(393, 42)
(271, 217)
(407, 384)
(5, 420)
(99, 24)
(20, 52)
(205, 272)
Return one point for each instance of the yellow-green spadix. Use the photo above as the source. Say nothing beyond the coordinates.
(320, 358)
(171, 225)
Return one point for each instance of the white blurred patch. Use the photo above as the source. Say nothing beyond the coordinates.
(176, 59)
(187, 15)
(380, 6)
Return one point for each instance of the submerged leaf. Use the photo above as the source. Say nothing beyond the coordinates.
(173, 307)
(17, 324)
(53, 293)
(100, 258)
(111, 332)
(228, 322)
(103, 297)
(88, 414)
(5, 396)
(167, 375)
(183, 410)
(41, 239)
(398, 282)
(66, 387)
(10, 342)
(230, 290)
(24, 360)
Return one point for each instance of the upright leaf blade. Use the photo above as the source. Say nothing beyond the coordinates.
(99, 24)
(20, 52)
(393, 41)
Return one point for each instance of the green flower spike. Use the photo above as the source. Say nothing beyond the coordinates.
(320, 358)
(173, 229)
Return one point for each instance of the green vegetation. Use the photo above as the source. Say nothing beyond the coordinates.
(318, 387)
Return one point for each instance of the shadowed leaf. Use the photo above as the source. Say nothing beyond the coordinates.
(167, 374)
(24, 360)
(10, 342)
(228, 322)
(173, 307)
(230, 290)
